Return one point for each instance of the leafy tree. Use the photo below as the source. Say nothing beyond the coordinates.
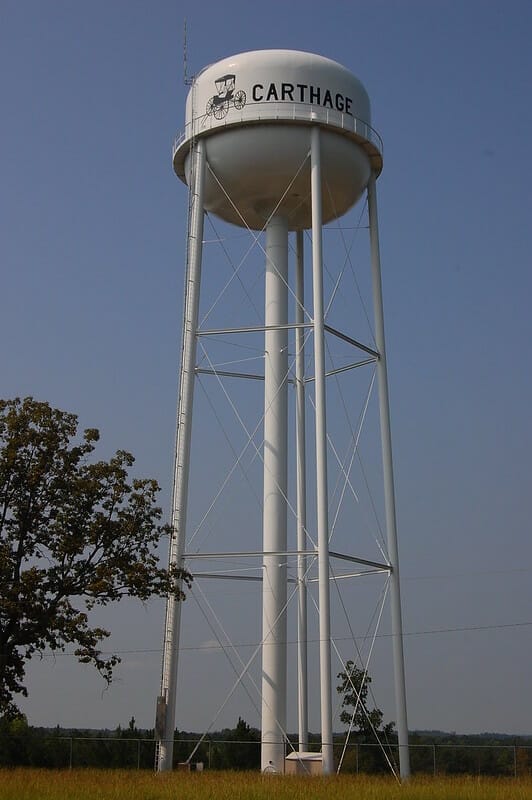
(354, 686)
(239, 748)
(247, 754)
(74, 534)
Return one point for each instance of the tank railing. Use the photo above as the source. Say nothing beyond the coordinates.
(282, 111)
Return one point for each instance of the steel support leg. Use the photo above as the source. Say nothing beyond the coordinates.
(322, 511)
(301, 481)
(389, 492)
(167, 699)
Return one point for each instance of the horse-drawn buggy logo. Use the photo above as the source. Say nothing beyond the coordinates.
(218, 105)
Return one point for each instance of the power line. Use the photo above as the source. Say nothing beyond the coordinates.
(216, 646)
(468, 574)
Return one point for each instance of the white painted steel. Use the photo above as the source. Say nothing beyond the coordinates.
(263, 170)
(275, 497)
(265, 133)
(301, 483)
(389, 491)
(182, 449)
(257, 146)
(265, 76)
(322, 510)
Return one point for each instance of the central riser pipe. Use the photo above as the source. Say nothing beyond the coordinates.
(275, 503)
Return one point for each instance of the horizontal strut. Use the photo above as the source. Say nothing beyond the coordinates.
(261, 553)
(251, 554)
(254, 329)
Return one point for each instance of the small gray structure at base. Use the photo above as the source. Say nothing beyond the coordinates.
(303, 764)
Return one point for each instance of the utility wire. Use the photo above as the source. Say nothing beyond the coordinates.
(200, 648)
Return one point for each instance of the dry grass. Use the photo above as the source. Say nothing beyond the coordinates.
(90, 784)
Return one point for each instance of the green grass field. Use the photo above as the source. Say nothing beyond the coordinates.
(90, 784)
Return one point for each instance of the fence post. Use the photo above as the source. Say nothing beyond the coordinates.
(515, 761)
(210, 744)
(356, 752)
(434, 760)
(70, 754)
(138, 754)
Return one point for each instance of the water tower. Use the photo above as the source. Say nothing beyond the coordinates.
(280, 141)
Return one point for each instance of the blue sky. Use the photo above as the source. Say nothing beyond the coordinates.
(92, 239)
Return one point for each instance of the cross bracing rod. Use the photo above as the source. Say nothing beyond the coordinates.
(254, 377)
(345, 338)
(259, 579)
(360, 574)
(289, 326)
(347, 368)
(226, 374)
(287, 553)
(344, 557)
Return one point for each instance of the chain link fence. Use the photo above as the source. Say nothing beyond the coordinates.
(121, 752)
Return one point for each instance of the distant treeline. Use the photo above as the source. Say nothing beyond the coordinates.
(238, 748)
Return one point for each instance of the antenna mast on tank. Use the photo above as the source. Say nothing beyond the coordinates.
(186, 80)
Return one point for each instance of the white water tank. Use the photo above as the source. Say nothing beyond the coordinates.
(255, 111)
